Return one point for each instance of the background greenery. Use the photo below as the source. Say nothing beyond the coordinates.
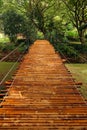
(55, 20)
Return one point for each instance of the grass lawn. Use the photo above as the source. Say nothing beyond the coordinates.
(4, 68)
(79, 72)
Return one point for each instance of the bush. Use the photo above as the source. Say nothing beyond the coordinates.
(72, 35)
(86, 36)
(67, 50)
(80, 48)
(23, 48)
(4, 47)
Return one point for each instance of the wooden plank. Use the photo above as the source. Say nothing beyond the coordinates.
(43, 95)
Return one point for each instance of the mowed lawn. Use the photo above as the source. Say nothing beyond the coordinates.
(5, 67)
(79, 72)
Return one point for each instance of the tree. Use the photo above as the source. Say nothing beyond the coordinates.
(1, 4)
(12, 22)
(39, 13)
(77, 12)
(1, 7)
(40, 16)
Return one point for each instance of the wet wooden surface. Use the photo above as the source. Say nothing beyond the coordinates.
(43, 95)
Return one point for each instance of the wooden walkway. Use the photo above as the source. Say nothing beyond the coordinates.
(43, 95)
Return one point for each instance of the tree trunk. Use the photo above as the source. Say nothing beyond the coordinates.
(81, 36)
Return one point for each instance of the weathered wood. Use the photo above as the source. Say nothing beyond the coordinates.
(43, 96)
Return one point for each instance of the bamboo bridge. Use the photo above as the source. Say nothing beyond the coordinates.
(43, 94)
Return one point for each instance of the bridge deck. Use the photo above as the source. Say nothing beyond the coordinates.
(43, 95)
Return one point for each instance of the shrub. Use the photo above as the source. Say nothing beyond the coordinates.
(67, 50)
(81, 48)
(72, 35)
(4, 47)
(86, 36)
(23, 48)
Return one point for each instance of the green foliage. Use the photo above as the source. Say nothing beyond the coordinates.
(40, 16)
(6, 47)
(12, 22)
(1, 4)
(52, 19)
(77, 14)
(73, 52)
(66, 50)
(40, 35)
(69, 27)
(29, 30)
(22, 48)
(80, 48)
(4, 40)
(72, 35)
(86, 36)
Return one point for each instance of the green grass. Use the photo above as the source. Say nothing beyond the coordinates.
(79, 72)
(4, 68)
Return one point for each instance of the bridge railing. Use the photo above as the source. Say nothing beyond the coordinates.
(15, 63)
